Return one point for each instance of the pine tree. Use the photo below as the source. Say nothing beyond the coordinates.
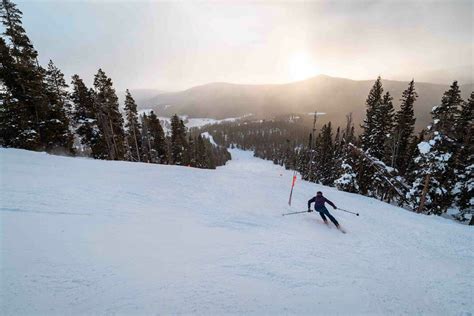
(432, 189)
(219, 156)
(179, 145)
(289, 157)
(403, 131)
(24, 104)
(464, 160)
(158, 144)
(366, 177)
(211, 154)
(371, 135)
(192, 150)
(337, 142)
(9, 116)
(373, 138)
(311, 156)
(302, 166)
(109, 117)
(378, 124)
(444, 115)
(202, 160)
(346, 176)
(146, 139)
(57, 131)
(464, 121)
(57, 88)
(325, 170)
(347, 179)
(385, 130)
(85, 121)
(133, 128)
(413, 152)
(348, 135)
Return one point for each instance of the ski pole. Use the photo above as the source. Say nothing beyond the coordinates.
(294, 213)
(340, 209)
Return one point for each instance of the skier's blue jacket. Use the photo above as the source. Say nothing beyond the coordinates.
(319, 203)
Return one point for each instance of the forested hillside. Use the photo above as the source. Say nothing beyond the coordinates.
(333, 96)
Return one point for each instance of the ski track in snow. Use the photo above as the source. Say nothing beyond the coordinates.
(82, 236)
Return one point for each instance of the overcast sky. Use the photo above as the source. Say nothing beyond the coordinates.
(176, 45)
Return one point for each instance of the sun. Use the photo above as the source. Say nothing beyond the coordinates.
(301, 66)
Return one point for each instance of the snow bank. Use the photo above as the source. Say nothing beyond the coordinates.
(424, 147)
(81, 236)
(209, 136)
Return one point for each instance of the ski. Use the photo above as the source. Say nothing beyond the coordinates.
(323, 223)
(342, 230)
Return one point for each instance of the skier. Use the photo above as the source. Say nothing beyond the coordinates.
(319, 201)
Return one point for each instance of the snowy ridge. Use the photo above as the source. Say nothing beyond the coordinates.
(191, 122)
(82, 236)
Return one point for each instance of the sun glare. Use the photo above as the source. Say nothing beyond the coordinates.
(301, 66)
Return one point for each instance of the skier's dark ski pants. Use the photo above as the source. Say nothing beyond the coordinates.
(323, 211)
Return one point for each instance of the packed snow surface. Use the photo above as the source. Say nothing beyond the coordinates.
(82, 236)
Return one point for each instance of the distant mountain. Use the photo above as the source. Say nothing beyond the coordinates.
(463, 73)
(140, 95)
(334, 96)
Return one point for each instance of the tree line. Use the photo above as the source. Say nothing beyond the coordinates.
(40, 111)
(429, 173)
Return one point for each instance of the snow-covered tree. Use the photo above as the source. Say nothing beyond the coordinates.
(431, 191)
(375, 138)
(346, 173)
(464, 161)
(413, 152)
(347, 180)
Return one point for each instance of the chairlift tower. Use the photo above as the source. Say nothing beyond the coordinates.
(312, 147)
(314, 128)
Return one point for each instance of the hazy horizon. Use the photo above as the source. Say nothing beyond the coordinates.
(173, 46)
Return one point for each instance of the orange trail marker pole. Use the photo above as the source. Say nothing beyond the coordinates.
(292, 186)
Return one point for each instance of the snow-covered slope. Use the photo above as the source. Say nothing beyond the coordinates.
(82, 236)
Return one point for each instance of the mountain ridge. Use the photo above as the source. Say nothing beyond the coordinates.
(333, 95)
